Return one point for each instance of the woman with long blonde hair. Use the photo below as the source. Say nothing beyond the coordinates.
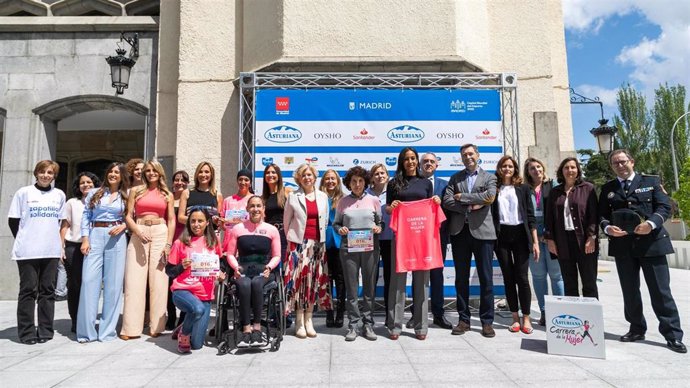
(151, 219)
(332, 186)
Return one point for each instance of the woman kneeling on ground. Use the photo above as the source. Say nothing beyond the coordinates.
(193, 294)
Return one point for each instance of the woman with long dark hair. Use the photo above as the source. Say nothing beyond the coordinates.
(34, 220)
(105, 248)
(408, 184)
(70, 232)
(180, 183)
(332, 186)
(274, 193)
(571, 229)
(516, 233)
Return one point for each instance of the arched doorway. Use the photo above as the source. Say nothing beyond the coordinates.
(88, 132)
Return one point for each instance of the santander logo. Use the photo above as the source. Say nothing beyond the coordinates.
(363, 135)
(486, 135)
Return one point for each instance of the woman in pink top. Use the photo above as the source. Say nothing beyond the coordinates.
(234, 208)
(151, 219)
(193, 294)
(253, 251)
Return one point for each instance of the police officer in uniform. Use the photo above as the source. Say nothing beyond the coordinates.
(646, 248)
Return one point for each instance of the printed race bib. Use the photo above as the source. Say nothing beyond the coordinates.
(236, 215)
(205, 265)
(360, 240)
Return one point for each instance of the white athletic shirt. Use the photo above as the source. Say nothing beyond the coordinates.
(74, 208)
(39, 214)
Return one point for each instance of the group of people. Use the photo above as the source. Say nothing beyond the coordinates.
(155, 249)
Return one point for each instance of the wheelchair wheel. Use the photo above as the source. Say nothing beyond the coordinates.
(220, 311)
(281, 303)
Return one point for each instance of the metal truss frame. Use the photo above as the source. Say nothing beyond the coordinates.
(249, 83)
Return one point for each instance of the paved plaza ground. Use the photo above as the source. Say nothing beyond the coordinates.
(442, 360)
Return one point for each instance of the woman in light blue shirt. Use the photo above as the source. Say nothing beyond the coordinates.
(104, 246)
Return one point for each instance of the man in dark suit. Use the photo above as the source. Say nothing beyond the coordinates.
(646, 248)
(467, 199)
(429, 163)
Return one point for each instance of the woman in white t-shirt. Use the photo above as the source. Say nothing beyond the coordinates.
(70, 232)
(34, 219)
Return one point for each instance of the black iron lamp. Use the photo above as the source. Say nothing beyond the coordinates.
(605, 135)
(120, 65)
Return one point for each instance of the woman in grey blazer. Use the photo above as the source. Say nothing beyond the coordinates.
(306, 270)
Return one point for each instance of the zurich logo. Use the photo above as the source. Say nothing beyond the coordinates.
(283, 134)
(266, 161)
(355, 162)
(405, 134)
(567, 321)
(391, 161)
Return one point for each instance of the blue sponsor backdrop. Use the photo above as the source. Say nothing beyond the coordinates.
(337, 129)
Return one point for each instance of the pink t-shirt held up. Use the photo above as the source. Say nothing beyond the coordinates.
(417, 241)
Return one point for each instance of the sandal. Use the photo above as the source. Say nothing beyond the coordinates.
(527, 330)
(514, 328)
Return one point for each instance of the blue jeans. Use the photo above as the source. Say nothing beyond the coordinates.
(540, 270)
(198, 313)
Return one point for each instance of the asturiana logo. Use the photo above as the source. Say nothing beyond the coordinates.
(405, 134)
(283, 134)
(567, 321)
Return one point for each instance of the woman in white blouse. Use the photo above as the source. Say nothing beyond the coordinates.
(516, 230)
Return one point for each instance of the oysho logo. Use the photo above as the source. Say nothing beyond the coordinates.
(567, 321)
(363, 135)
(327, 135)
(391, 161)
(266, 161)
(405, 134)
(450, 135)
(283, 134)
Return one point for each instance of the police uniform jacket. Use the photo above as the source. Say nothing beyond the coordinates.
(646, 198)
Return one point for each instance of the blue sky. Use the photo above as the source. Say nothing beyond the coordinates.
(613, 42)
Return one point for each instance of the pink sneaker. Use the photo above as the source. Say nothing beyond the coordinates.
(184, 343)
(176, 332)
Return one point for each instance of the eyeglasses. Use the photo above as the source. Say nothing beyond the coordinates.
(428, 161)
(620, 163)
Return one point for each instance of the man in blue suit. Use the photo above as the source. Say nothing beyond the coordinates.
(429, 164)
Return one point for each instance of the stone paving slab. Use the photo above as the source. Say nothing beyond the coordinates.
(443, 360)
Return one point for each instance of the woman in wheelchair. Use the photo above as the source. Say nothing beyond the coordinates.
(193, 294)
(253, 252)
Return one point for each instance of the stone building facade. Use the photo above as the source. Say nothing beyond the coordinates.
(56, 100)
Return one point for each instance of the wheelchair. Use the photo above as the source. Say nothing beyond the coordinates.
(272, 317)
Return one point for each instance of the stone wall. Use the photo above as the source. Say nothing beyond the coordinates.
(37, 68)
